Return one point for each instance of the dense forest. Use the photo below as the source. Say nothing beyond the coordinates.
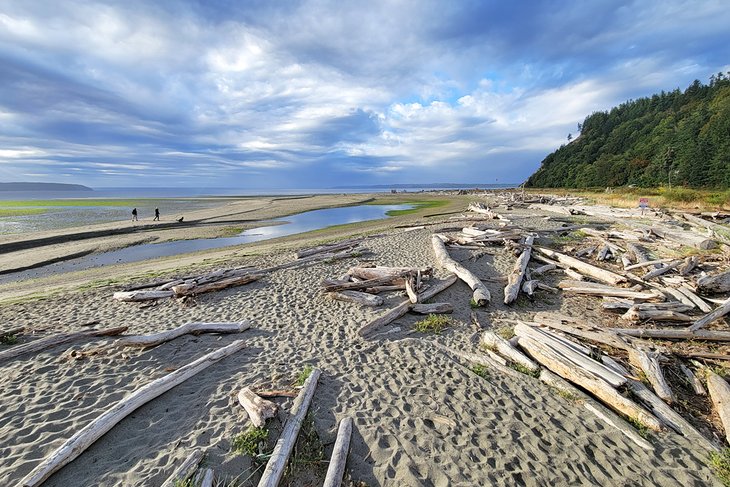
(676, 138)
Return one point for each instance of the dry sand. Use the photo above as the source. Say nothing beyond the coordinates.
(420, 418)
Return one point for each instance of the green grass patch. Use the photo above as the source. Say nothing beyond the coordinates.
(524, 370)
(304, 375)
(641, 428)
(567, 395)
(433, 324)
(571, 237)
(251, 441)
(21, 211)
(230, 231)
(505, 332)
(720, 463)
(481, 371)
(417, 206)
(8, 339)
(183, 483)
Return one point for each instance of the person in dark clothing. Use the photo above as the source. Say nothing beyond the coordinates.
(157, 215)
(134, 214)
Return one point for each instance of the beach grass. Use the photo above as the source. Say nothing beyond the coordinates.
(662, 197)
(7, 212)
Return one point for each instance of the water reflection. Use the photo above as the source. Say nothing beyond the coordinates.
(302, 222)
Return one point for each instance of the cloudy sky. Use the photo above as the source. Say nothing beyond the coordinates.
(307, 94)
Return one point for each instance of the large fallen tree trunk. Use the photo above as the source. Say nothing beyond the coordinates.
(599, 388)
(280, 456)
(405, 306)
(602, 275)
(714, 283)
(336, 469)
(53, 340)
(481, 296)
(514, 280)
(79, 442)
(192, 328)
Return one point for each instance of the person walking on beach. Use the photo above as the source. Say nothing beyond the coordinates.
(157, 215)
(134, 214)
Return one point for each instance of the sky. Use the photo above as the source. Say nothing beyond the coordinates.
(316, 94)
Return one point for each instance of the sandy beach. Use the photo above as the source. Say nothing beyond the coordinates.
(421, 416)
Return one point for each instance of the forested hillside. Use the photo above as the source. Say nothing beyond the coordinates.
(684, 136)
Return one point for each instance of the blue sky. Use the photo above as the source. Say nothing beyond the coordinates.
(308, 94)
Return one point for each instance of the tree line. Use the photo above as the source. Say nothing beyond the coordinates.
(673, 138)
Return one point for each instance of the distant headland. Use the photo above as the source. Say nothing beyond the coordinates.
(43, 187)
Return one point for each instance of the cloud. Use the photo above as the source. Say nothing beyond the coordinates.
(316, 93)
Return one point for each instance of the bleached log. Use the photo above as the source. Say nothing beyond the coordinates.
(617, 303)
(187, 328)
(600, 411)
(357, 297)
(208, 478)
(721, 232)
(186, 469)
(583, 267)
(481, 295)
(503, 347)
(662, 270)
(683, 237)
(432, 308)
(258, 409)
(58, 339)
(569, 354)
(714, 283)
(514, 280)
(699, 302)
(688, 265)
(636, 313)
(331, 285)
(382, 272)
(679, 296)
(714, 315)
(529, 287)
(405, 306)
(604, 253)
(693, 380)
(599, 388)
(169, 285)
(411, 289)
(188, 289)
(625, 261)
(582, 329)
(280, 456)
(385, 289)
(338, 460)
(648, 362)
(543, 269)
(593, 289)
(333, 247)
(720, 395)
(674, 334)
(79, 442)
(130, 296)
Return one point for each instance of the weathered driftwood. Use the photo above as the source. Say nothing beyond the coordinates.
(599, 388)
(683, 237)
(141, 295)
(481, 295)
(693, 380)
(483, 210)
(382, 272)
(331, 285)
(365, 299)
(12, 331)
(187, 328)
(569, 354)
(688, 265)
(258, 409)
(385, 289)
(583, 267)
(648, 361)
(338, 460)
(333, 247)
(637, 313)
(514, 280)
(718, 313)
(185, 470)
(714, 283)
(280, 456)
(662, 270)
(529, 287)
(582, 329)
(720, 232)
(699, 302)
(411, 289)
(617, 303)
(208, 478)
(79, 442)
(679, 296)
(506, 350)
(190, 288)
(595, 407)
(405, 306)
(720, 395)
(593, 289)
(53, 340)
(674, 334)
(170, 285)
(432, 308)
(640, 254)
(537, 271)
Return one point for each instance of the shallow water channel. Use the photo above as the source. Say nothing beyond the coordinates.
(299, 223)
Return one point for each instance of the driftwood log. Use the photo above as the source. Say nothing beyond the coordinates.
(333, 247)
(358, 297)
(637, 313)
(514, 280)
(593, 289)
(280, 456)
(481, 296)
(79, 442)
(141, 295)
(383, 272)
(192, 328)
(258, 409)
(718, 313)
(505, 349)
(188, 289)
(720, 396)
(714, 283)
(338, 460)
(648, 362)
(432, 308)
(590, 270)
(674, 334)
(693, 380)
(53, 340)
(185, 470)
